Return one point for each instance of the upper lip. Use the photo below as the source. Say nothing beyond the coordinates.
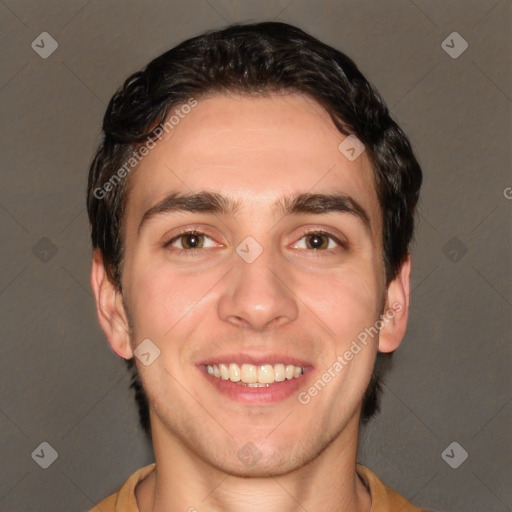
(255, 359)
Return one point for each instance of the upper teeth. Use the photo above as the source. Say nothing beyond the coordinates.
(252, 374)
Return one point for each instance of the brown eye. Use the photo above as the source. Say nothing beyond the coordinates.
(317, 241)
(192, 241)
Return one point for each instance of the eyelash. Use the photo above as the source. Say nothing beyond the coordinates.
(195, 252)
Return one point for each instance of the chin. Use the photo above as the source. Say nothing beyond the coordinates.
(263, 458)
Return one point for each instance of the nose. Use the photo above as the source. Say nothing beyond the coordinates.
(258, 295)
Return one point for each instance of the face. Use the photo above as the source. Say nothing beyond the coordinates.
(284, 269)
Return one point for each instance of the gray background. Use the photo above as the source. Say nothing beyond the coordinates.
(59, 381)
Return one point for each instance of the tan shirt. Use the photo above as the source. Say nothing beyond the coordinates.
(384, 499)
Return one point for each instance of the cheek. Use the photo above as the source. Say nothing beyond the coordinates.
(346, 301)
(162, 297)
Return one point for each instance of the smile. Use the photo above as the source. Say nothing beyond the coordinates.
(256, 384)
(251, 375)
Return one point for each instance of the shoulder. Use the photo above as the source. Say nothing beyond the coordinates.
(124, 499)
(384, 499)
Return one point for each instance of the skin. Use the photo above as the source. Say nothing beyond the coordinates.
(292, 300)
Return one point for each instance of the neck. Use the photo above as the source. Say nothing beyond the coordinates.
(185, 481)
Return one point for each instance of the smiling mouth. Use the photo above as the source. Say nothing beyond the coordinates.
(255, 376)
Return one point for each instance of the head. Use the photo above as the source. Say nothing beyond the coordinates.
(253, 113)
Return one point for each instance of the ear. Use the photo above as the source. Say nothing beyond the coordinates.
(396, 309)
(110, 308)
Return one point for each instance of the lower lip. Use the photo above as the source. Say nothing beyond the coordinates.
(254, 396)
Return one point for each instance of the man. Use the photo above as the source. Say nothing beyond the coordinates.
(251, 208)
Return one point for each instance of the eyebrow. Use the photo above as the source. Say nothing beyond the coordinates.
(295, 204)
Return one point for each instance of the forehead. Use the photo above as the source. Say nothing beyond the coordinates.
(256, 149)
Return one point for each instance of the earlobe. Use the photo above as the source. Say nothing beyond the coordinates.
(396, 310)
(110, 309)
